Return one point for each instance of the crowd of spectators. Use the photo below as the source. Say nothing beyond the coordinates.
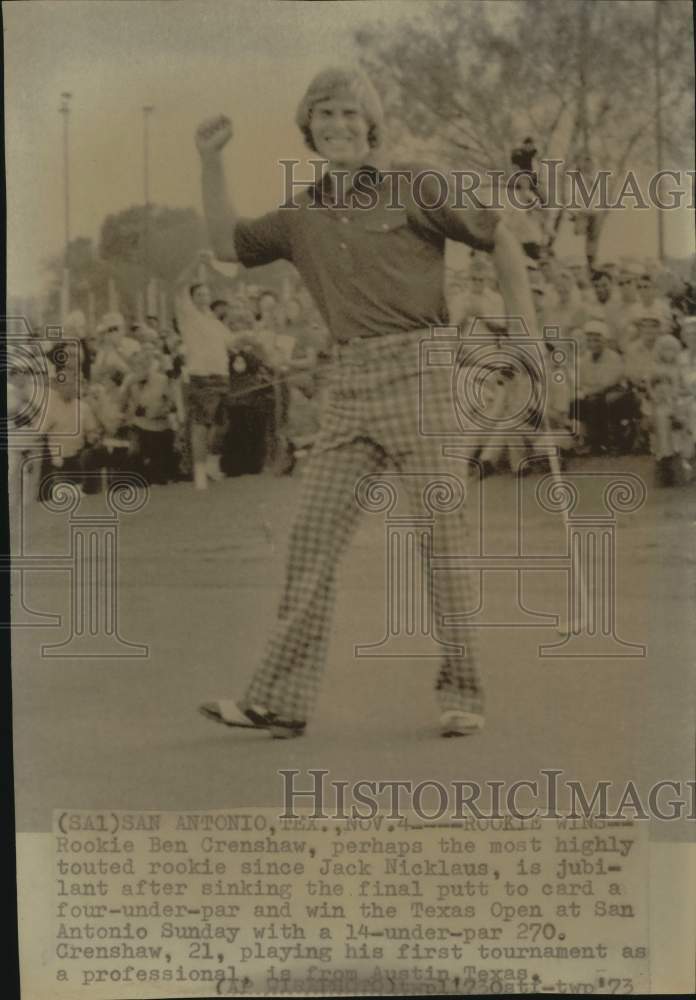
(231, 385)
(628, 386)
(234, 383)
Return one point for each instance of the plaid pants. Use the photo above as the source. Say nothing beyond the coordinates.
(369, 423)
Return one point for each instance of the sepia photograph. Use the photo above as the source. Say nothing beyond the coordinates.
(350, 362)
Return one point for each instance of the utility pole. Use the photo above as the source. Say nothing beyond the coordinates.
(658, 122)
(147, 112)
(64, 110)
(585, 165)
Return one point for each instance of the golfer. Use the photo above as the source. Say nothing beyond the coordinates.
(374, 263)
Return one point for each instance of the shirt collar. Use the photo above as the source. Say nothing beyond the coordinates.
(373, 169)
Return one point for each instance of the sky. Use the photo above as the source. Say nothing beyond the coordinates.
(190, 59)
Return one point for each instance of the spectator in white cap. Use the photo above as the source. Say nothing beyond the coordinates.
(649, 299)
(600, 391)
(116, 349)
(668, 350)
(567, 311)
(639, 350)
(75, 324)
(478, 300)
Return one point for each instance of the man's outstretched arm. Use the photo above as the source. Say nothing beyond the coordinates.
(483, 228)
(511, 269)
(191, 273)
(211, 138)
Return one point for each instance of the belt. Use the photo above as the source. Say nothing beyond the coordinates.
(384, 345)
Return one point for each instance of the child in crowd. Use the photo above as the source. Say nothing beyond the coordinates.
(671, 444)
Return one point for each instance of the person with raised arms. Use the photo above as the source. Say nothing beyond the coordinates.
(374, 264)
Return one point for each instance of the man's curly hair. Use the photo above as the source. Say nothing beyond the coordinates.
(342, 81)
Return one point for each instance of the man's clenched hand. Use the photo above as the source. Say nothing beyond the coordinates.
(213, 134)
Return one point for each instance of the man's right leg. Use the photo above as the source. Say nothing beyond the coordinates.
(287, 681)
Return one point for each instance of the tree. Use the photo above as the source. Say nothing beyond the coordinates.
(468, 81)
(88, 276)
(174, 236)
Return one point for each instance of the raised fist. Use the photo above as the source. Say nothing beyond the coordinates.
(213, 135)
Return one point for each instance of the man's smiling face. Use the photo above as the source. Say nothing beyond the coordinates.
(340, 132)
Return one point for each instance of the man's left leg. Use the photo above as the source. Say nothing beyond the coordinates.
(458, 686)
(419, 456)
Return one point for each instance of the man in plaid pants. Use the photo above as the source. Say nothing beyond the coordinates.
(371, 251)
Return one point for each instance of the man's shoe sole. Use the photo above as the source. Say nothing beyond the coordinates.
(455, 723)
(257, 720)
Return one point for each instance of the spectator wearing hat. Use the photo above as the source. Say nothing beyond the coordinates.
(639, 359)
(668, 352)
(116, 349)
(566, 310)
(639, 350)
(649, 300)
(75, 325)
(478, 300)
(601, 389)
